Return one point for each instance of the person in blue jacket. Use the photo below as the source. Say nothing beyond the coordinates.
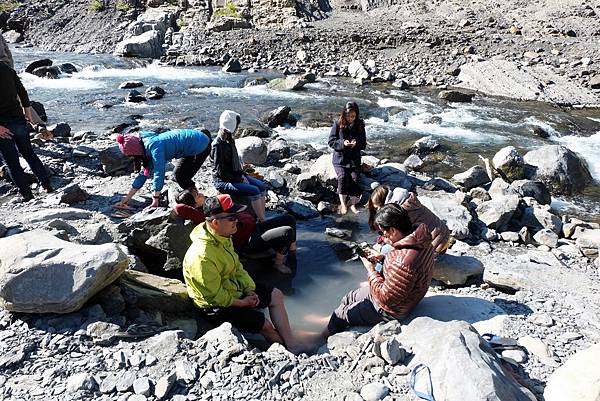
(152, 151)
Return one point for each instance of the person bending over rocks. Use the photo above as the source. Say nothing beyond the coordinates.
(347, 139)
(15, 113)
(403, 281)
(277, 233)
(220, 287)
(417, 213)
(228, 172)
(152, 151)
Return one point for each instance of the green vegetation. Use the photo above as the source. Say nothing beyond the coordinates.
(181, 22)
(230, 10)
(97, 5)
(9, 6)
(122, 6)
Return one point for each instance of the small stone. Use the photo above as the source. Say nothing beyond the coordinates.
(546, 237)
(109, 384)
(131, 85)
(374, 391)
(414, 162)
(515, 355)
(509, 236)
(125, 382)
(164, 384)
(186, 371)
(391, 351)
(142, 386)
(570, 336)
(81, 382)
(542, 319)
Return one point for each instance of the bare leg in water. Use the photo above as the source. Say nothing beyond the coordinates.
(280, 264)
(282, 332)
(353, 202)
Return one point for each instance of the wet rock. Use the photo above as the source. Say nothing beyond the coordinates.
(374, 391)
(72, 194)
(135, 97)
(40, 110)
(578, 379)
(473, 177)
(559, 168)
(326, 208)
(155, 93)
(37, 64)
(232, 65)
(252, 150)
(338, 232)
(539, 131)
(498, 212)
(81, 382)
(61, 130)
(277, 117)
(131, 84)
(255, 81)
(69, 274)
(533, 189)
(456, 96)
(291, 82)
(153, 292)
(546, 237)
(302, 209)
(67, 68)
(51, 72)
(509, 163)
(456, 270)
(466, 355)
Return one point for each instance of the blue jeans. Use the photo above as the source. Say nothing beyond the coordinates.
(20, 143)
(384, 249)
(254, 189)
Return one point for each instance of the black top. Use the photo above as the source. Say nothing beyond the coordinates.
(346, 156)
(226, 167)
(11, 89)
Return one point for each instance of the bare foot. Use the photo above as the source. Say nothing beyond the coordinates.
(300, 348)
(281, 268)
(354, 209)
(343, 209)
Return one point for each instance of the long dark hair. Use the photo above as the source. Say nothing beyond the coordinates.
(186, 197)
(343, 120)
(378, 197)
(392, 215)
(141, 161)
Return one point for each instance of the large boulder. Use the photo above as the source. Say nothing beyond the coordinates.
(456, 96)
(114, 162)
(291, 82)
(509, 163)
(578, 379)
(455, 269)
(146, 35)
(448, 208)
(534, 189)
(463, 366)
(589, 242)
(323, 170)
(155, 293)
(536, 218)
(277, 117)
(498, 212)
(278, 149)
(40, 273)
(473, 177)
(559, 168)
(251, 149)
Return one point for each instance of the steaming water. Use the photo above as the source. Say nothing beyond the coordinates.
(394, 119)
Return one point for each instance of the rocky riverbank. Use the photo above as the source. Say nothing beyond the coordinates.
(516, 269)
(545, 50)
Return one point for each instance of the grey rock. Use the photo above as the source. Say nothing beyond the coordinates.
(142, 386)
(277, 117)
(225, 339)
(466, 354)
(456, 96)
(338, 233)
(306, 182)
(131, 84)
(40, 273)
(73, 194)
(275, 179)
(546, 237)
(114, 162)
(57, 214)
(164, 345)
(186, 371)
(392, 352)
(542, 319)
(133, 96)
(223, 24)
(559, 168)
(537, 218)
(414, 162)
(291, 82)
(456, 270)
(109, 384)
(515, 355)
(536, 347)
(146, 35)
(425, 145)
(448, 208)
(525, 235)
(102, 332)
(164, 385)
(302, 209)
(13, 36)
(509, 163)
(577, 379)
(81, 382)
(357, 70)
(498, 212)
(137, 397)
(125, 382)
(154, 92)
(232, 65)
(251, 150)
(480, 194)
(510, 236)
(278, 149)
(61, 130)
(533, 189)
(473, 177)
(323, 170)
(326, 207)
(392, 174)
(374, 391)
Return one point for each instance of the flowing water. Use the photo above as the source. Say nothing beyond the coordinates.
(394, 118)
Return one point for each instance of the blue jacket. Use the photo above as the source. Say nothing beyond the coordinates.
(161, 148)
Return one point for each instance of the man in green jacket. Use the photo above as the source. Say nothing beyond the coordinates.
(218, 284)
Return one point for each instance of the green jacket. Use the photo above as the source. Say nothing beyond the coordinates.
(213, 274)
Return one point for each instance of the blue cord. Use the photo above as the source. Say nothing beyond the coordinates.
(413, 375)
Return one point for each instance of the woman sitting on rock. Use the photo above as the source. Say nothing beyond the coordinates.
(403, 282)
(347, 139)
(228, 173)
(277, 233)
(152, 151)
(417, 213)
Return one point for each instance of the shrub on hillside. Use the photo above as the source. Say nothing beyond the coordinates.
(97, 5)
(229, 10)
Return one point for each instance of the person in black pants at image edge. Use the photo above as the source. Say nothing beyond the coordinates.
(14, 135)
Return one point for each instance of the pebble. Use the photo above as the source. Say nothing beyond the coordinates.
(374, 392)
(142, 386)
(515, 355)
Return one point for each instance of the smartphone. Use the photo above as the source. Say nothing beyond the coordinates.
(360, 251)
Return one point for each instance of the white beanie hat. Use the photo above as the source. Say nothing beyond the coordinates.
(228, 121)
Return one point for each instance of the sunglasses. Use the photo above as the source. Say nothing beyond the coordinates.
(231, 218)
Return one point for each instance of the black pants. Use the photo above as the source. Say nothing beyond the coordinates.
(249, 320)
(187, 167)
(276, 233)
(20, 143)
(347, 181)
(356, 309)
